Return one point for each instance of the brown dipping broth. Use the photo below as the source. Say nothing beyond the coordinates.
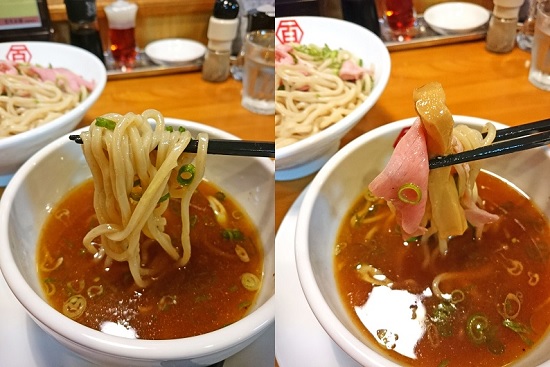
(412, 326)
(205, 295)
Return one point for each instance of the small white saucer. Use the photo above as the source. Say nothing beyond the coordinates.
(174, 51)
(456, 17)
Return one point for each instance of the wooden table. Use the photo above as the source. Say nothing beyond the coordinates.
(476, 82)
(185, 96)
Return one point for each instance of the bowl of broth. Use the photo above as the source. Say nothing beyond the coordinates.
(195, 313)
(390, 301)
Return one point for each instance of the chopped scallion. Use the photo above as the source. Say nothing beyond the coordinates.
(105, 122)
(410, 193)
(186, 174)
(232, 234)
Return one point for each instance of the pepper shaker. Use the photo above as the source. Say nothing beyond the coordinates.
(222, 30)
(501, 36)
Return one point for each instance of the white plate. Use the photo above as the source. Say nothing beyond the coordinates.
(456, 17)
(299, 338)
(174, 51)
(23, 343)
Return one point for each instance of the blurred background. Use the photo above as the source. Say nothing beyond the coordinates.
(332, 8)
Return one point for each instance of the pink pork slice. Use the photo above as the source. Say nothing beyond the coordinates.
(407, 165)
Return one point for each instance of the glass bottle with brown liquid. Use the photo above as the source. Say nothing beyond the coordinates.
(84, 30)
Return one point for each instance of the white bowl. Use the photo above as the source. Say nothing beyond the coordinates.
(338, 185)
(308, 155)
(456, 17)
(25, 204)
(16, 149)
(174, 51)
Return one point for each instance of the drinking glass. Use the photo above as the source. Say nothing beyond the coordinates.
(258, 93)
(539, 72)
(400, 17)
(121, 16)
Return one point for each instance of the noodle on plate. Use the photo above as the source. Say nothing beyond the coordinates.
(31, 95)
(316, 87)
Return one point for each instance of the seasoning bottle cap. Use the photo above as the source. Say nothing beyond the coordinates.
(507, 9)
(226, 9)
(121, 14)
(81, 10)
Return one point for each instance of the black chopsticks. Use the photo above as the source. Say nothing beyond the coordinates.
(245, 148)
(509, 140)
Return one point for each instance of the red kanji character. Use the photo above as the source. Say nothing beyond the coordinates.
(19, 53)
(289, 31)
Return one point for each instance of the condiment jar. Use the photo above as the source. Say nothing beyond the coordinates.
(222, 30)
(501, 36)
(84, 29)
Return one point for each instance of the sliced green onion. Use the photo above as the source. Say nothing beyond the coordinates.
(519, 329)
(442, 317)
(404, 193)
(477, 327)
(232, 234)
(164, 197)
(49, 287)
(193, 220)
(95, 290)
(75, 306)
(244, 305)
(166, 302)
(105, 122)
(186, 174)
(220, 196)
(250, 281)
(76, 286)
(242, 254)
(171, 129)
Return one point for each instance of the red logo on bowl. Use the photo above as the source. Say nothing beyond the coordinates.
(19, 53)
(289, 31)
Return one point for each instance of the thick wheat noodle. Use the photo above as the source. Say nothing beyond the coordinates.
(464, 138)
(313, 97)
(27, 102)
(134, 151)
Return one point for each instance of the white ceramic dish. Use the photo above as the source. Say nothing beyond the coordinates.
(23, 343)
(16, 149)
(339, 184)
(174, 51)
(308, 155)
(299, 338)
(456, 17)
(21, 217)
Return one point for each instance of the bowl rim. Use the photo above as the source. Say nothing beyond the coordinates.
(437, 15)
(79, 109)
(339, 128)
(249, 326)
(354, 347)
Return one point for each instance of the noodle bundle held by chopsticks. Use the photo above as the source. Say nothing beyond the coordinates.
(136, 168)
